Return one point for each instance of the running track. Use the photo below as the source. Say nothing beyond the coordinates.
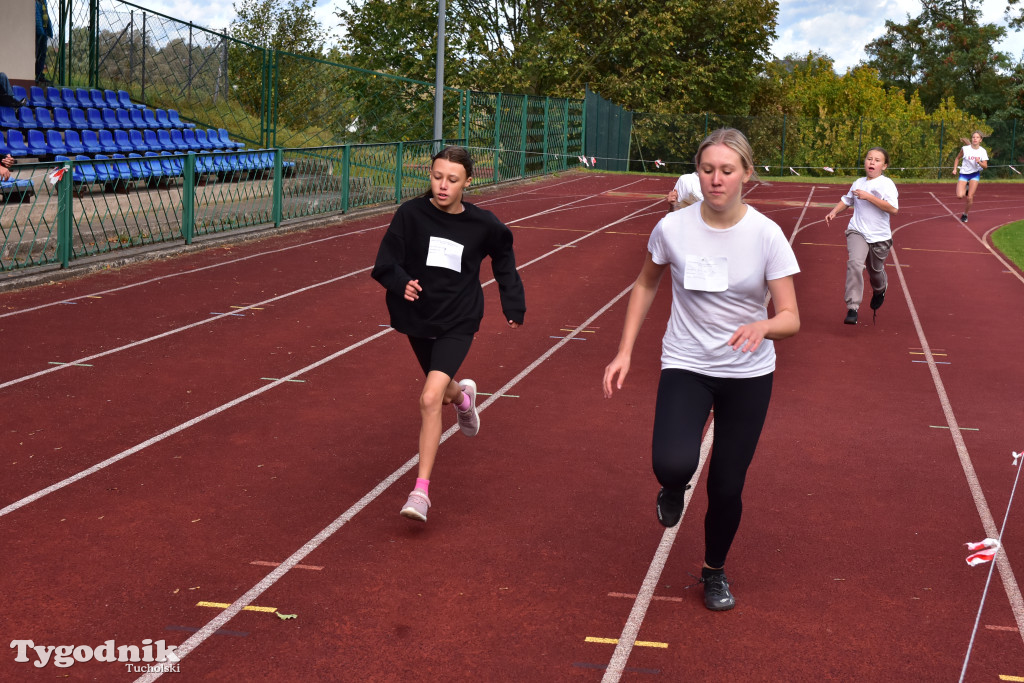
(238, 426)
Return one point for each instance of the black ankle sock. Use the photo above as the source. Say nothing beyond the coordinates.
(707, 572)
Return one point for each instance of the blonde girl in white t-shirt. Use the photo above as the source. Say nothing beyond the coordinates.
(975, 159)
(874, 199)
(723, 258)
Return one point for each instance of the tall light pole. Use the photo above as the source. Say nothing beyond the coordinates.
(439, 85)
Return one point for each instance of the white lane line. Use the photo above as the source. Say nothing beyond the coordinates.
(239, 309)
(185, 425)
(1005, 570)
(617, 663)
(274, 576)
(246, 258)
(983, 241)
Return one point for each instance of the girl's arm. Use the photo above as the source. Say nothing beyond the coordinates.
(836, 210)
(640, 300)
(785, 322)
(956, 162)
(880, 203)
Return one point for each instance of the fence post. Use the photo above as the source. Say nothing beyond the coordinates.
(1013, 143)
(497, 138)
(547, 122)
(565, 136)
(523, 123)
(942, 135)
(278, 183)
(188, 199)
(398, 174)
(346, 157)
(64, 208)
(782, 158)
(143, 56)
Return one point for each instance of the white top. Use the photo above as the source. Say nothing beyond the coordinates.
(972, 159)
(719, 282)
(868, 219)
(688, 189)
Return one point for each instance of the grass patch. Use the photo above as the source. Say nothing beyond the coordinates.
(1009, 239)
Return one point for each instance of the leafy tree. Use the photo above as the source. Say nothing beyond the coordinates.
(944, 52)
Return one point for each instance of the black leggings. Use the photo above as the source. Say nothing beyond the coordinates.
(684, 402)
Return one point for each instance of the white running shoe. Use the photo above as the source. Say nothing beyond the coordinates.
(469, 421)
(416, 506)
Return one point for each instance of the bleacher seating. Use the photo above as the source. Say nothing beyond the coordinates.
(16, 143)
(78, 119)
(44, 118)
(61, 118)
(73, 141)
(36, 97)
(19, 92)
(55, 143)
(68, 97)
(9, 118)
(26, 117)
(36, 143)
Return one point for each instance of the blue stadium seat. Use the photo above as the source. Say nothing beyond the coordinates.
(78, 119)
(36, 97)
(55, 143)
(84, 98)
(124, 171)
(138, 143)
(91, 141)
(36, 142)
(138, 167)
(189, 136)
(155, 164)
(96, 96)
(16, 143)
(54, 98)
(61, 119)
(110, 97)
(177, 165)
(176, 121)
(73, 142)
(19, 92)
(161, 118)
(126, 101)
(203, 140)
(151, 140)
(228, 142)
(26, 118)
(123, 141)
(95, 119)
(166, 144)
(9, 118)
(68, 98)
(138, 120)
(124, 119)
(4, 150)
(107, 144)
(84, 173)
(177, 141)
(150, 118)
(105, 172)
(44, 119)
(212, 138)
(110, 121)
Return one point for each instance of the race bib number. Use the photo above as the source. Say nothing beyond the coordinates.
(706, 273)
(442, 253)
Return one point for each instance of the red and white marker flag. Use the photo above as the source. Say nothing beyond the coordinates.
(583, 160)
(983, 551)
(1014, 170)
(658, 163)
(56, 174)
(793, 171)
(593, 161)
(829, 169)
(1016, 457)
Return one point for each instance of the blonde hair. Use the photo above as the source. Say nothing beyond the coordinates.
(734, 140)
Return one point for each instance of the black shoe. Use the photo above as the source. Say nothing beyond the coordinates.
(877, 299)
(963, 218)
(670, 506)
(717, 596)
(851, 317)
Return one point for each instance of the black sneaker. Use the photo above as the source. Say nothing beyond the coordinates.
(963, 218)
(717, 596)
(851, 317)
(877, 299)
(670, 506)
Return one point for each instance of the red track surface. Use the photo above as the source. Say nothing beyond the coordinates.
(849, 564)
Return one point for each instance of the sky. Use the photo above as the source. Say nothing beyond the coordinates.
(839, 29)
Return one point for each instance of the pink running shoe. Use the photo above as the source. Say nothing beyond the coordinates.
(469, 421)
(416, 506)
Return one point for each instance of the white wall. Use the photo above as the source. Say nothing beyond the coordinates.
(18, 28)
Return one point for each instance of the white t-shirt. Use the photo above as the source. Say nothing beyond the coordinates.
(688, 189)
(972, 159)
(868, 219)
(736, 265)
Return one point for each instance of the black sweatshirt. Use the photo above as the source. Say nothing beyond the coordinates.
(451, 301)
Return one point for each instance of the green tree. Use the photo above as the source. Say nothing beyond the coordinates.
(944, 52)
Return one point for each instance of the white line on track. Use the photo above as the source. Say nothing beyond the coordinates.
(197, 639)
(983, 241)
(221, 264)
(220, 316)
(215, 411)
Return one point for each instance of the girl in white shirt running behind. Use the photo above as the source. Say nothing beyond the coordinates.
(868, 237)
(975, 159)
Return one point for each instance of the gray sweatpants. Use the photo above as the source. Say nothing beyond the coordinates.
(863, 255)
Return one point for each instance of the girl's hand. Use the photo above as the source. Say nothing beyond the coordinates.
(620, 367)
(747, 338)
(829, 217)
(412, 290)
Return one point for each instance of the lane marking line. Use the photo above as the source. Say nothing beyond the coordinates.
(219, 632)
(264, 563)
(615, 641)
(225, 605)
(1004, 677)
(218, 313)
(278, 379)
(555, 336)
(257, 308)
(992, 627)
(921, 353)
(484, 393)
(632, 596)
(77, 365)
(966, 429)
(938, 362)
(947, 251)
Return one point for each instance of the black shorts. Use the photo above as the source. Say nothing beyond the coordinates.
(444, 354)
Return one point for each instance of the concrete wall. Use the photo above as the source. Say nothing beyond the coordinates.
(18, 51)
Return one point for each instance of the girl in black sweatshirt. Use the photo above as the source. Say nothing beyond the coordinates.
(429, 263)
